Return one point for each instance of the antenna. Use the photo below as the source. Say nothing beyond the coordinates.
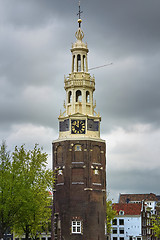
(100, 66)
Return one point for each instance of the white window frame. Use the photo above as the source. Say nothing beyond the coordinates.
(76, 227)
(114, 229)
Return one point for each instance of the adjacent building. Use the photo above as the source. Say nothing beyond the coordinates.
(149, 199)
(133, 219)
(128, 222)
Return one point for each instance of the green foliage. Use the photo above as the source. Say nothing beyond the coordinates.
(156, 226)
(25, 182)
(7, 197)
(111, 213)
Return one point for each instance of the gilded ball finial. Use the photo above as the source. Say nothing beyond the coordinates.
(79, 20)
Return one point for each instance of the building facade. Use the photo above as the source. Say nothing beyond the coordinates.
(127, 224)
(79, 156)
(149, 208)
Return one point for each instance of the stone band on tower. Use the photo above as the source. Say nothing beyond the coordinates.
(79, 156)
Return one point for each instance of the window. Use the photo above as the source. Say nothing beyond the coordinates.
(84, 63)
(148, 231)
(76, 227)
(144, 232)
(105, 228)
(121, 230)
(148, 222)
(144, 222)
(78, 96)
(114, 238)
(73, 66)
(69, 97)
(121, 238)
(78, 148)
(121, 212)
(114, 222)
(138, 238)
(87, 97)
(79, 63)
(114, 230)
(121, 221)
(130, 238)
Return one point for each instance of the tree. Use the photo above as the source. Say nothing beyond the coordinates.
(111, 213)
(25, 181)
(156, 226)
(30, 170)
(156, 222)
(7, 197)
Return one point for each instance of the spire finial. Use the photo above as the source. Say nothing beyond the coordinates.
(79, 14)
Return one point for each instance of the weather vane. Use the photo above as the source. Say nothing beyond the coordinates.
(79, 14)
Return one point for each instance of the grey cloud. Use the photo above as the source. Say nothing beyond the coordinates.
(35, 42)
(136, 181)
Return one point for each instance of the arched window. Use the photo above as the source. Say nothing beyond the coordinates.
(78, 96)
(79, 63)
(87, 97)
(69, 97)
(84, 63)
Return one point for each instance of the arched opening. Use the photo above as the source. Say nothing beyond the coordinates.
(78, 96)
(73, 64)
(87, 97)
(69, 97)
(84, 63)
(79, 63)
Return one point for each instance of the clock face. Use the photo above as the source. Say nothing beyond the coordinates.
(78, 126)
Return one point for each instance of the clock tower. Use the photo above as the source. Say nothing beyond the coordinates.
(79, 156)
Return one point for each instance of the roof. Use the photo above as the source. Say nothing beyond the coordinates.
(124, 198)
(128, 208)
(158, 197)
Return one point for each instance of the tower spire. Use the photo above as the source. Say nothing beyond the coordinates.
(79, 14)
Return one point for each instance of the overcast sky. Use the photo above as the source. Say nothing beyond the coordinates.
(35, 42)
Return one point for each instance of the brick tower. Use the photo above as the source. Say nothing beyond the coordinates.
(79, 156)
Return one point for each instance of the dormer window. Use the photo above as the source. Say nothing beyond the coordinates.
(78, 96)
(121, 212)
